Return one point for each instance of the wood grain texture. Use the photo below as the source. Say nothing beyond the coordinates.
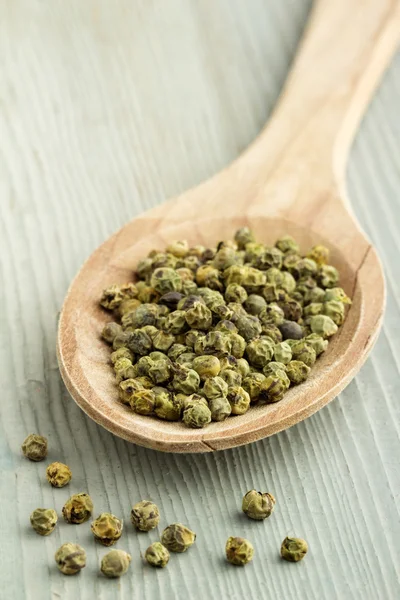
(92, 134)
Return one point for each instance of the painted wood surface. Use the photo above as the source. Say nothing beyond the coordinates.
(107, 109)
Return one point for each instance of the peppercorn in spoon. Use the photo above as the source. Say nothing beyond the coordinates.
(290, 181)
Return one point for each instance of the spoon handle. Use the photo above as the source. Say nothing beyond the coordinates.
(344, 52)
(295, 167)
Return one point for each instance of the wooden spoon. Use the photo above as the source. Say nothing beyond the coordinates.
(290, 180)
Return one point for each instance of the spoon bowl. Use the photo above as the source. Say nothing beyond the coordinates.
(87, 371)
(290, 181)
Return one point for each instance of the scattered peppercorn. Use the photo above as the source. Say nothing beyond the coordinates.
(58, 474)
(145, 515)
(78, 508)
(157, 555)
(177, 537)
(115, 563)
(34, 447)
(239, 551)
(293, 549)
(258, 506)
(70, 558)
(44, 520)
(107, 529)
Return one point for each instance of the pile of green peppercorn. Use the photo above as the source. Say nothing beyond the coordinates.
(206, 332)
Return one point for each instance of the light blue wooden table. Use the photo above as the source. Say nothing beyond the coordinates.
(106, 109)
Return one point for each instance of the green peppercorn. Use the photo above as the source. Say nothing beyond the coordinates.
(271, 257)
(58, 474)
(145, 382)
(162, 340)
(226, 326)
(215, 387)
(107, 529)
(258, 506)
(273, 388)
(78, 508)
(336, 293)
(140, 342)
(178, 248)
(239, 551)
(127, 388)
(34, 447)
(143, 402)
(192, 400)
(44, 520)
(248, 327)
(167, 406)
(115, 563)
(220, 408)
(255, 304)
(121, 353)
(122, 340)
(145, 515)
(161, 371)
(273, 367)
(259, 352)
(176, 350)
(252, 384)
(115, 294)
(304, 352)
(314, 308)
(253, 249)
(317, 342)
(224, 258)
(186, 359)
(235, 293)
(244, 236)
(319, 253)
(199, 316)
(297, 371)
(314, 295)
(293, 549)
(206, 366)
(287, 244)
(128, 306)
(185, 380)
(165, 279)
(288, 283)
(157, 555)
(110, 330)
(292, 309)
(124, 369)
(231, 377)
(70, 558)
(242, 367)
(197, 415)
(175, 322)
(177, 537)
(328, 276)
(272, 314)
(335, 310)
(239, 400)
(282, 352)
(323, 326)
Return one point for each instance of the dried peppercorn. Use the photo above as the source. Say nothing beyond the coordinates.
(234, 324)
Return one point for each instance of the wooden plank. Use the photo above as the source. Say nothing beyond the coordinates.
(106, 110)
